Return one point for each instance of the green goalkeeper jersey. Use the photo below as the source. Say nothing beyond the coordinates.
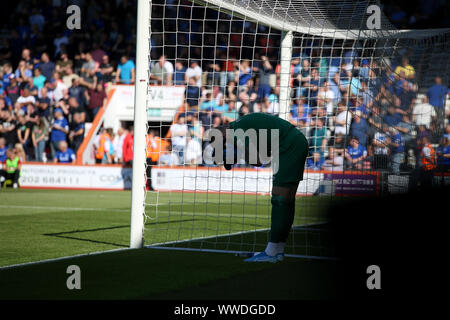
(288, 134)
(293, 146)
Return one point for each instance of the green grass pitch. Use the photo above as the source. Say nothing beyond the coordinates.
(46, 224)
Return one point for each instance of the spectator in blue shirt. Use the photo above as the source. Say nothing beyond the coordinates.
(295, 63)
(7, 72)
(313, 86)
(22, 72)
(359, 128)
(316, 162)
(265, 71)
(406, 98)
(77, 128)
(47, 67)
(335, 63)
(245, 72)
(180, 73)
(398, 16)
(392, 118)
(60, 129)
(437, 94)
(360, 106)
(3, 149)
(364, 70)
(349, 56)
(30, 86)
(355, 154)
(6, 103)
(65, 154)
(43, 104)
(78, 92)
(125, 71)
(23, 28)
(193, 93)
(397, 150)
(36, 18)
(300, 113)
(209, 104)
(221, 106)
(444, 155)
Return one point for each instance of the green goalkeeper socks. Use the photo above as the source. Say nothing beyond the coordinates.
(283, 212)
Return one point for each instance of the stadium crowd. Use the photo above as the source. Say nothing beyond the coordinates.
(355, 112)
(54, 80)
(352, 116)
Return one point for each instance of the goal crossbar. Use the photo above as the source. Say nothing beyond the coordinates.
(311, 21)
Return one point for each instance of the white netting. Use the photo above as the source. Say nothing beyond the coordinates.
(227, 59)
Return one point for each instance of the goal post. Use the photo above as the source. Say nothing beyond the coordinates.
(287, 38)
(200, 206)
(140, 124)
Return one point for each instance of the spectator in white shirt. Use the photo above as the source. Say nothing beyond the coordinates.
(193, 152)
(26, 98)
(118, 144)
(326, 97)
(343, 120)
(423, 113)
(334, 161)
(60, 91)
(169, 68)
(169, 158)
(179, 132)
(162, 71)
(194, 71)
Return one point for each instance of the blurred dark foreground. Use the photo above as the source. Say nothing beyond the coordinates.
(404, 236)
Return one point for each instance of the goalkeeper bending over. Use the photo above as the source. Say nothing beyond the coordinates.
(293, 150)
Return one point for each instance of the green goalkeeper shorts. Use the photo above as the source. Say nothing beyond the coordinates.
(292, 161)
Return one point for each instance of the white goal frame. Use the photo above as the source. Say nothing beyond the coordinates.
(140, 128)
(294, 18)
(140, 110)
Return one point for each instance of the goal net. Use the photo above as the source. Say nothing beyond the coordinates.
(337, 70)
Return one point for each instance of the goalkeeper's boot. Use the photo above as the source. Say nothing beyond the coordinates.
(280, 256)
(262, 257)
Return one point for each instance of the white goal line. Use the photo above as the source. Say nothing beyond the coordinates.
(306, 226)
(160, 246)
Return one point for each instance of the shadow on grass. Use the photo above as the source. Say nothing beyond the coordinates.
(65, 234)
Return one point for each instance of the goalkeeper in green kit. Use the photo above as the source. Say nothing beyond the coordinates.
(288, 149)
